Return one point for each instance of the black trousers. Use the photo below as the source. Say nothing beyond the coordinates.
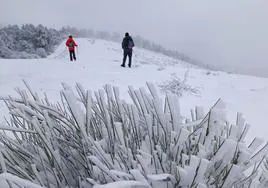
(72, 55)
(127, 53)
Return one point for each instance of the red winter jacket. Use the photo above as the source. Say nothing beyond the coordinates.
(70, 43)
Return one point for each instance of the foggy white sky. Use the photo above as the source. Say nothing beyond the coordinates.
(226, 33)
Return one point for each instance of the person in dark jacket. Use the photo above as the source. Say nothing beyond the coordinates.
(127, 45)
(70, 43)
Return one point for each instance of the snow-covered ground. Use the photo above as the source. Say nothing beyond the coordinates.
(99, 63)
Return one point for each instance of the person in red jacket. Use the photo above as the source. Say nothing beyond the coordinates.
(70, 43)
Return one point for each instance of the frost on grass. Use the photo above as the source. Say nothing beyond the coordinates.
(97, 140)
(177, 86)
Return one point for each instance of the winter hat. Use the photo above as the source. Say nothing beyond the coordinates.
(127, 34)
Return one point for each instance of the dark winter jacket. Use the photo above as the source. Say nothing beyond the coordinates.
(125, 43)
(70, 43)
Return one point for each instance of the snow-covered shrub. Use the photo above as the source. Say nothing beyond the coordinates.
(5, 52)
(98, 140)
(28, 41)
(177, 86)
(25, 46)
(41, 52)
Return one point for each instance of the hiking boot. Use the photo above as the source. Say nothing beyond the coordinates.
(129, 65)
(122, 65)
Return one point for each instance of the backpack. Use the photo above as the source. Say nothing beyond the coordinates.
(71, 44)
(130, 44)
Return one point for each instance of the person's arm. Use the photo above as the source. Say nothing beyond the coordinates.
(74, 43)
(124, 43)
(67, 43)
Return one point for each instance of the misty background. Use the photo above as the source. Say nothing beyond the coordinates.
(230, 35)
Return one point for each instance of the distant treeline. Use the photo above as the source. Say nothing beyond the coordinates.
(30, 41)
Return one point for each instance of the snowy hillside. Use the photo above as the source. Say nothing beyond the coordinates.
(99, 63)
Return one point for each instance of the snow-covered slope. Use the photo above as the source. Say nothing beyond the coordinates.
(99, 63)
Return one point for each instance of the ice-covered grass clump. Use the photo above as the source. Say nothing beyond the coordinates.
(98, 140)
(177, 86)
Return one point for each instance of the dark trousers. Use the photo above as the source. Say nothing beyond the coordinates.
(72, 55)
(127, 53)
